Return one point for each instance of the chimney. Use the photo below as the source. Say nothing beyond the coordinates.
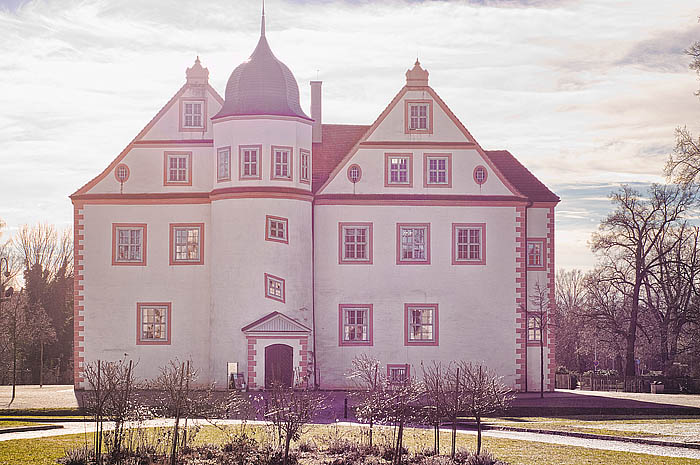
(316, 133)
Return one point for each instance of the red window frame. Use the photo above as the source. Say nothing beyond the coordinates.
(387, 170)
(173, 256)
(455, 252)
(341, 243)
(144, 242)
(269, 237)
(139, 307)
(402, 261)
(542, 242)
(407, 325)
(283, 289)
(448, 169)
(370, 325)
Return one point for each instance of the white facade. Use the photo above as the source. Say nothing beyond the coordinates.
(209, 238)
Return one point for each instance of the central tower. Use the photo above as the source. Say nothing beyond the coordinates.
(261, 223)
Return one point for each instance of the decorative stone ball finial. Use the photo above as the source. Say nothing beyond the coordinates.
(417, 76)
(197, 74)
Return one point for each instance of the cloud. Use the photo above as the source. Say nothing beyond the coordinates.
(585, 94)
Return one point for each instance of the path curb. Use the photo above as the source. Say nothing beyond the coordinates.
(576, 434)
(21, 429)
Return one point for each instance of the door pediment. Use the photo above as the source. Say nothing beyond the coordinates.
(276, 323)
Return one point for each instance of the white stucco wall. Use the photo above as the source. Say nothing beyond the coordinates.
(476, 303)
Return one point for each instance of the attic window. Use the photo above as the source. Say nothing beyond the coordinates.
(480, 175)
(419, 116)
(192, 114)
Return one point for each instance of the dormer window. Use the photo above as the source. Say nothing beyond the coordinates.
(419, 116)
(192, 115)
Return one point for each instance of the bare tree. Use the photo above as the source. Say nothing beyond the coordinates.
(290, 410)
(567, 320)
(485, 393)
(402, 406)
(370, 397)
(434, 399)
(628, 243)
(540, 309)
(44, 247)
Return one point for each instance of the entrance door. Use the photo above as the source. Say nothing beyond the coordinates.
(278, 365)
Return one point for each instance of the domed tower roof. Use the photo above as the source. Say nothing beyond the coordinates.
(262, 85)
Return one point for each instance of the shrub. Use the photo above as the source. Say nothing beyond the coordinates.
(76, 456)
(466, 457)
(433, 460)
(307, 445)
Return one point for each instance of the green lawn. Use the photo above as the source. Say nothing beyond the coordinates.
(47, 450)
(12, 424)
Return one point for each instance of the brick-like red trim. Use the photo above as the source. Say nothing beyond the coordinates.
(78, 296)
(144, 248)
(482, 226)
(387, 173)
(267, 229)
(389, 366)
(486, 175)
(543, 265)
(168, 340)
(116, 170)
(407, 119)
(551, 343)
(190, 169)
(205, 115)
(303, 152)
(284, 288)
(220, 178)
(251, 340)
(241, 148)
(448, 166)
(290, 163)
(399, 261)
(370, 326)
(370, 244)
(520, 300)
(436, 325)
(173, 260)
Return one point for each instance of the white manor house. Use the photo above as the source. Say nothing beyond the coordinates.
(248, 237)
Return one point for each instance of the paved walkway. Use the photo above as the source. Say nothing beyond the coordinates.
(667, 451)
(47, 397)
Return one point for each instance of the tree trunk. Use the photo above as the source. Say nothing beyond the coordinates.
(631, 339)
(541, 358)
(287, 441)
(399, 444)
(41, 365)
(454, 436)
(478, 435)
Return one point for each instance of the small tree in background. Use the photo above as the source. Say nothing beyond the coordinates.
(484, 393)
(403, 405)
(540, 310)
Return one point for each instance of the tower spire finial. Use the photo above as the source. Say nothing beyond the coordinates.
(262, 25)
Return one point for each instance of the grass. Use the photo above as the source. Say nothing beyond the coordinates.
(41, 412)
(47, 450)
(12, 424)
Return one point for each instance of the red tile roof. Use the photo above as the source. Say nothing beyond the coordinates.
(520, 177)
(339, 139)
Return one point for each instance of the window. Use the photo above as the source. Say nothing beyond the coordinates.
(178, 169)
(276, 229)
(468, 243)
(274, 287)
(421, 322)
(128, 244)
(398, 374)
(355, 325)
(413, 244)
(223, 164)
(437, 170)
(304, 166)
(355, 243)
(480, 175)
(153, 323)
(281, 163)
(192, 115)
(536, 254)
(249, 165)
(534, 328)
(187, 244)
(354, 173)
(398, 170)
(419, 116)
(121, 172)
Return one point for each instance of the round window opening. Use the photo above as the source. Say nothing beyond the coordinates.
(354, 173)
(480, 175)
(121, 173)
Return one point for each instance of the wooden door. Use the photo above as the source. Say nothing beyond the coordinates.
(278, 365)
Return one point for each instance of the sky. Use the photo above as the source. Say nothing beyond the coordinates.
(587, 94)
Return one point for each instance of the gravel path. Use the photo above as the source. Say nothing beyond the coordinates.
(667, 451)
